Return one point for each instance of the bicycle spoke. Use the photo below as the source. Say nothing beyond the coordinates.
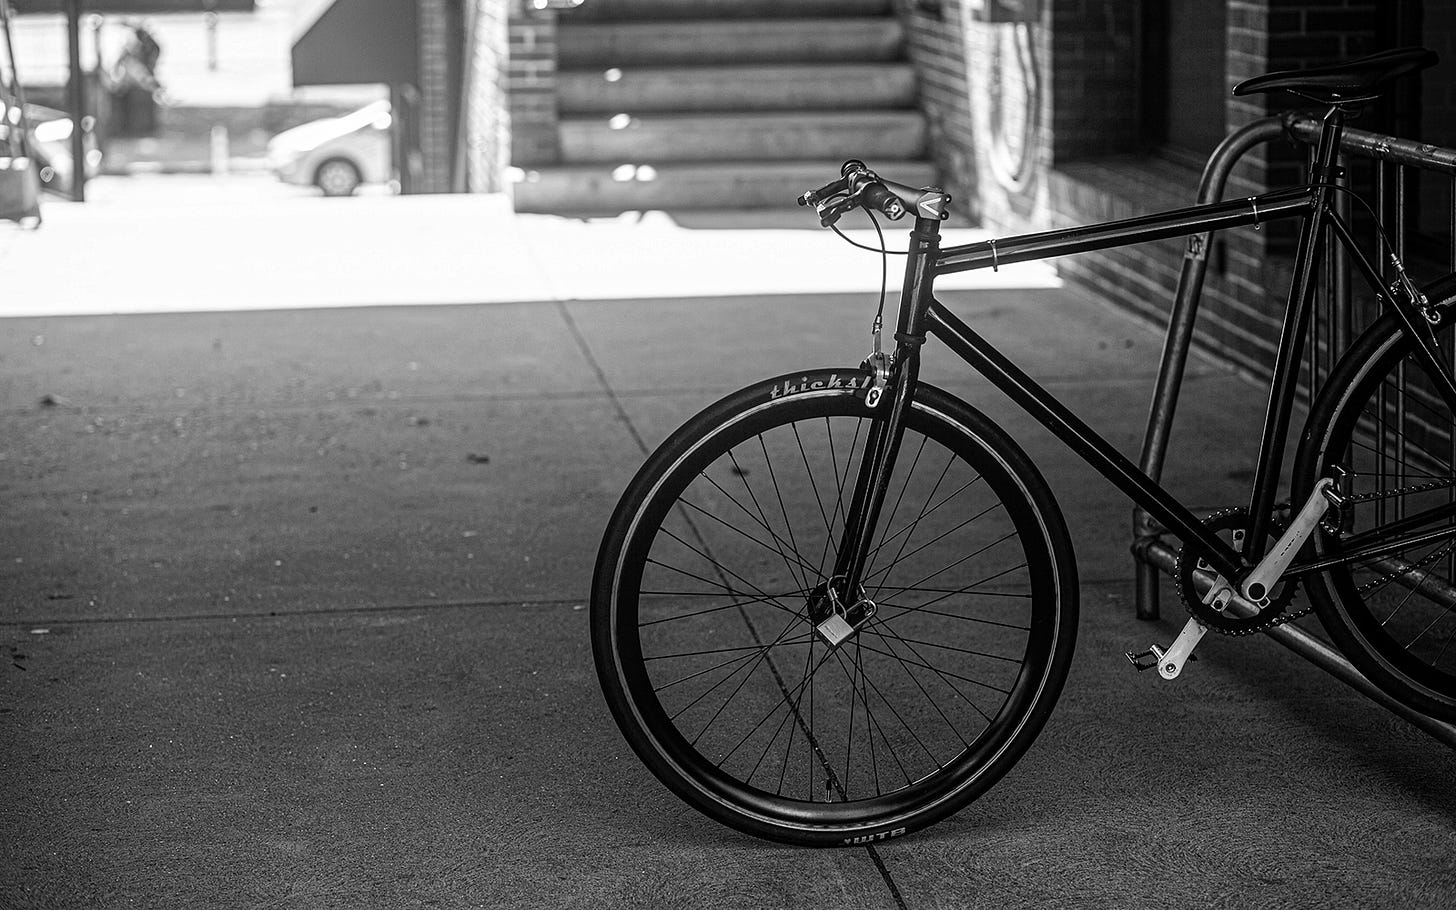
(755, 656)
(886, 570)
(910, 528)
(894, 753)
(754, 589)
(898, 716)
(830, 542)
(963, 560)
(743, 476)
(921, 611)
(928, 697)
(926, 665)
(764, 598)
(749, 537)
(784, 702)
(681, 654)
(710, 610)
(761, 656)
(809, 473)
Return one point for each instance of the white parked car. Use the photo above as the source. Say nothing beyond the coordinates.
(336, 154)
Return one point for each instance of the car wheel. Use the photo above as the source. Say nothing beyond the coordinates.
(337, 177)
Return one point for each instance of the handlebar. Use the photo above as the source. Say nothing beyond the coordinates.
(862, 187)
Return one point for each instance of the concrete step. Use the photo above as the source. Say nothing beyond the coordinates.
(617, 10)
(747, 88)
(604, 190)
(760, 136)
(851, 40)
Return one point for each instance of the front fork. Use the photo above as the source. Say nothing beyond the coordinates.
(843, 607)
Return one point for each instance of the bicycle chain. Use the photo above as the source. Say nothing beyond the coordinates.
(1236, 626)
(1401, 491)
(1354, 498)
(1385, 578)
(1275, 614)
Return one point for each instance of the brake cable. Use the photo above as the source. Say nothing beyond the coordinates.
(878, 325)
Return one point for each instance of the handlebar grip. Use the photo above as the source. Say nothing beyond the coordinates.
(813, 197)
(881, 199)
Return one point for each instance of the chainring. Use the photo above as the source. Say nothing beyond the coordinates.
(1229, 524)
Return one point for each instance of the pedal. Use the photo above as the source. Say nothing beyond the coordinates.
(1169, 662)
(1145, 660)
(1149, 659)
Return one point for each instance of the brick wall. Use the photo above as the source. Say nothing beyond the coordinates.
(982, 89)
(1438, 88)
(1088, 154)
(1438, 114)
(1095, 75)
(434, 115)
(531, 85)
(937, 47)
(510, 113)
(487, 120)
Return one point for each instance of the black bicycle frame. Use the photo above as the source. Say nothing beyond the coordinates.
(921, 314)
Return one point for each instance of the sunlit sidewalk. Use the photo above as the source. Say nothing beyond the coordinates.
(181, 244)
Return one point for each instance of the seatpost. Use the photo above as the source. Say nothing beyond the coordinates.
(1328, 149)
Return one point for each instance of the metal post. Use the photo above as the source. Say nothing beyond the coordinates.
(76, 92)
(1150, 551)
(1326, 658)
(1178, 342)
(209, 19)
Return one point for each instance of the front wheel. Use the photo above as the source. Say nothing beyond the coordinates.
(338, 177)
(709, 602)
(1381, 426)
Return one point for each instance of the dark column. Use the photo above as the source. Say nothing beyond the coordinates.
(77, 95)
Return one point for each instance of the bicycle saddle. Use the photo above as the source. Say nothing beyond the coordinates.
(1354, 80)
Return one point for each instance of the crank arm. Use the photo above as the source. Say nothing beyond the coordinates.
(1169, 663)
(1261, 581)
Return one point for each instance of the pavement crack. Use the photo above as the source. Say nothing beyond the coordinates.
(885, 874)
(596, 367)
(428, 606)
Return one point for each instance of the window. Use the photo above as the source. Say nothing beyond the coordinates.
(1184, 75)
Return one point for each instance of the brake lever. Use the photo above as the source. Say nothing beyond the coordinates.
(830, 212)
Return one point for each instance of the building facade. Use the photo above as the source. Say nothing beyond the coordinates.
(1063, 112)
(1041, 114)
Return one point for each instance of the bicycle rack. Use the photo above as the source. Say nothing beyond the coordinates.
(1151, 553)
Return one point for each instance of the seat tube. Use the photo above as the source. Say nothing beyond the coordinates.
(1307, 257)
(882, 446)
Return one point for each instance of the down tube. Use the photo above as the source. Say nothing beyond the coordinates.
(1086, 442)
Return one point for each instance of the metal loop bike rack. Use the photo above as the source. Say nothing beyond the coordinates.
(1151, 552)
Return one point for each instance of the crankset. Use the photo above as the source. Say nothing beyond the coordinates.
(1220, 613)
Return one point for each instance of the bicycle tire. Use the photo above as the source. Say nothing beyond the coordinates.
(1379, 418)
(748, 496)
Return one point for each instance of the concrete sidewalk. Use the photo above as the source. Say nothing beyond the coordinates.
(295, 610)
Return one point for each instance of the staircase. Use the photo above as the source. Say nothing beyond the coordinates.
(725, 104)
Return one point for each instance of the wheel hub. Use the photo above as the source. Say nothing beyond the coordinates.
(833, 621)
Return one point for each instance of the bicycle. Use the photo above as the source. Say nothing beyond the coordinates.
(839, 604)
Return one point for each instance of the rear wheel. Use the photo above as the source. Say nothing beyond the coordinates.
(1382, 426)
(711, 589)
